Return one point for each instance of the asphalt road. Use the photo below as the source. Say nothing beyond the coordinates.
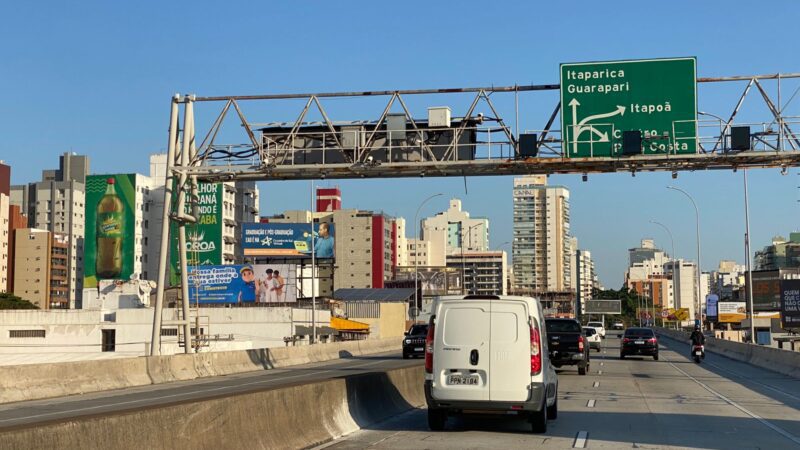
(36, 412)
(631, 403)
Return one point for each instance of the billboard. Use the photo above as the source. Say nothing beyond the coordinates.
(239, 284)
(109, 227)
(203, 239)
(711, 306)
(288, 239)
(790, 303)
(433, 281)
(675, 314)
(731, 312)
(601, 100)
(603, 307)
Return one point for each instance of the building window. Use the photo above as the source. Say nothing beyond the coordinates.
(109, 340)
(169, 332)
(21, 334)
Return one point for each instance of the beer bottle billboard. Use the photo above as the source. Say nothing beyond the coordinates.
(110, 243)
(109, 231)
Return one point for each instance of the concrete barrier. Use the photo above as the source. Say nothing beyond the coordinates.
(37, 381)
(289, 417)
(785, 362)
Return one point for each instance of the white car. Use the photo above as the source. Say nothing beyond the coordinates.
(488, 353)
(592, 337)
(601, 330)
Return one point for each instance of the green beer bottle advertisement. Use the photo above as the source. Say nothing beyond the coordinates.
(110, 228)
(109, 231)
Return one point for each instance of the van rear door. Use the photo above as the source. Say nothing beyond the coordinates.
(510, 346)
(461, 350)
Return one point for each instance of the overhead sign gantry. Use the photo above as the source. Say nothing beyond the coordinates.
(655, 97)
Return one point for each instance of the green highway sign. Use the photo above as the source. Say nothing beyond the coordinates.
(601, 100)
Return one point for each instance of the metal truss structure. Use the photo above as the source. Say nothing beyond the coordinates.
(469, 145)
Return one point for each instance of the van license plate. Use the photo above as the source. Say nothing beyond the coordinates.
(639, 342)
(462, 380)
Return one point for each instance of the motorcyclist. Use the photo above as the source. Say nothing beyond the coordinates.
(698, 338)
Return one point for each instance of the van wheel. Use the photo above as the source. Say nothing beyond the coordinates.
(436, 419)
(539, 419)
(552, 411)
(582, 369)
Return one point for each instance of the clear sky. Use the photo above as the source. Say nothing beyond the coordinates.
(95, 77)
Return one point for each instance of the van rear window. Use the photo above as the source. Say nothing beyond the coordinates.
(562, 326)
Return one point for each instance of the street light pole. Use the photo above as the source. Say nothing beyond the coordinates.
(416, 253)
(672, 242)
(697, 224)
(747, 261)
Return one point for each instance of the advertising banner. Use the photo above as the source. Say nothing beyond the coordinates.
(109, 227)
(238, 284)
(711, 307)
(203, 239)
(433, 280)
(288, 239)
(731, 312)
(675, 315)
(790, 303)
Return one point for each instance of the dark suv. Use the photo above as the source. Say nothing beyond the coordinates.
(639, 341)
(567, 344)
(414, 342)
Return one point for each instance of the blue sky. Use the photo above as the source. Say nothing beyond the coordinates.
(96, 77)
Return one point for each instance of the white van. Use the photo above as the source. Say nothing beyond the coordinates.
(486, 353)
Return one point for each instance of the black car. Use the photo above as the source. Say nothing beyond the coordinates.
(414, 342)
(639, 341)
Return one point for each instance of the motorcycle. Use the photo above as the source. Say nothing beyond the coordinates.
(698, 353)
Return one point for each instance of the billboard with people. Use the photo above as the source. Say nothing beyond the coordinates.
(243, 284)
(288, 239)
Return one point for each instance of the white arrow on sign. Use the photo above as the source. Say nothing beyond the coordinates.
(580, 127)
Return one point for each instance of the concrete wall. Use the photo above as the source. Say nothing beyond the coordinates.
(300, 417)
(36, 381)
(782, 361)
(79, 332)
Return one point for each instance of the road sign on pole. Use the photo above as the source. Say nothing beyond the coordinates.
(603, 307)
(601, 100)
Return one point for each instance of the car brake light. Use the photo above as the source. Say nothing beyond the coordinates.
(429, 348)
(580, 343)
(536, 351)
(625, 340)
(652, 340)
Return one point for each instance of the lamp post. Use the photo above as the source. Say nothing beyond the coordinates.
(504, 286)
(697, 224)
(672, 241)
(416, 253)
(747, 261)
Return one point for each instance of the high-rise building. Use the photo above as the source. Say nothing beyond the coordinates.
(483, 272)
(57, 204)
(462, 231)
(685, 278)
(16, 220)
(584, 278)
(782, 254)
(44, 255)
(541, 245)
(5, 211)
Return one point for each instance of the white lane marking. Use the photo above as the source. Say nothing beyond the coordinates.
(596, 384)
(749, 380)
(599, 372)
(181, 394)
(768, 424)
(590, 403)
(580, 439)
(602, 364)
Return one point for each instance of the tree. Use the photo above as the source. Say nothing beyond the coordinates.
(11, 301)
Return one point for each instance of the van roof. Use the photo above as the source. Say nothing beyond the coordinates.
(483, 297)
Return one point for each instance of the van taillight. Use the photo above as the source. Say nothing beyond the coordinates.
(429, 348)
(580, 343)
(536, 351)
